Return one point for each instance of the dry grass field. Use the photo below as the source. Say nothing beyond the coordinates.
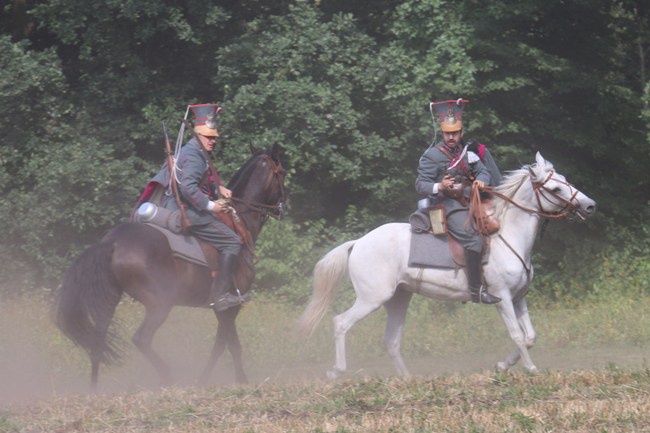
(610, 400)
(593, 359)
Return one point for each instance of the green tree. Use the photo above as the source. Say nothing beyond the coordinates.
(316, 86)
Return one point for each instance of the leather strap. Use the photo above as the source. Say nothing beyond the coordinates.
(463, 167)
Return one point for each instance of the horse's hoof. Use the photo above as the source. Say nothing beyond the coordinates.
(333, 374)
(532, 370)
(501, 367)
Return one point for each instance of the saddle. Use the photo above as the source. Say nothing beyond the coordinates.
(191, 248)
(428, 250)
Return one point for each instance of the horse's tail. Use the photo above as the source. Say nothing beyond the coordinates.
(327, 277)
(86, 303)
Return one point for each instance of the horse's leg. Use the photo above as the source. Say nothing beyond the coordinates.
(342, 324)
(234, 347)
(396, 309)
(523, 318)
(155, 316)
(218, 348)
(226, 337)
(515, 316)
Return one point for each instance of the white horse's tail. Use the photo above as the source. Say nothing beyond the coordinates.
(328, 273)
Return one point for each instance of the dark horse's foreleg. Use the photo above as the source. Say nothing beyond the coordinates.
(154, 317)
(226, 337)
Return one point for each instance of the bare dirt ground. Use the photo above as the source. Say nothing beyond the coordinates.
(27, 373)
(38, 363)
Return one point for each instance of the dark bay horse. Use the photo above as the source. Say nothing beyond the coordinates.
(136, 259)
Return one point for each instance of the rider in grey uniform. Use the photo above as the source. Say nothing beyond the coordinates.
(204, 196)
(448, 163)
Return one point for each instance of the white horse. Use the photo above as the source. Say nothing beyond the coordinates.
(377, 264)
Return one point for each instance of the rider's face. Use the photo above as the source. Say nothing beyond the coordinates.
(208, 143)
(451, 139)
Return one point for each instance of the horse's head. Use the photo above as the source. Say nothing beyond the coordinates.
(554, 196)
(258, 186)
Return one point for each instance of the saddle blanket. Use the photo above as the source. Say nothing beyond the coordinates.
(183, 247)
(430, 251)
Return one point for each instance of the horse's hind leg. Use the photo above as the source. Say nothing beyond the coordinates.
(342, 324)
(517, 319)
(154, 317)
(396, 309)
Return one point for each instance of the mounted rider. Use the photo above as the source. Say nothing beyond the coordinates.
(446, 173)
(200, 196)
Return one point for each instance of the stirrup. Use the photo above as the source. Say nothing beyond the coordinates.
(230, 300)
(484, 297)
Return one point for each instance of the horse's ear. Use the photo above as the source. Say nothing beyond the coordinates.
(542, 163)
(253, 149)
(275, 151)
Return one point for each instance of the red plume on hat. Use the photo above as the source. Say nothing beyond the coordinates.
(449, 114)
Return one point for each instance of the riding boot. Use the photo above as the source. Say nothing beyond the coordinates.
(221, 296)
(473, 269)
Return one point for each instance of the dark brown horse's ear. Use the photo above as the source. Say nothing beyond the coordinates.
(275, 151)
(253, 149)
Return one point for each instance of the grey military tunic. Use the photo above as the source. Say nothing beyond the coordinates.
(433, 166)
(192, 166)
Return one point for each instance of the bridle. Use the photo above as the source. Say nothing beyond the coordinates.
(570, 208)
(276, 210)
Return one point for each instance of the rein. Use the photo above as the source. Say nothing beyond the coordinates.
(540, 189)
(275, 211)
(265, 210)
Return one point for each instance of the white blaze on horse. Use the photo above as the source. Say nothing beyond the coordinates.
(377, 265)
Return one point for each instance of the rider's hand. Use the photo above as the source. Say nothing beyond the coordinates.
(221, 206)
(225, 192)
(479, 184)
(447, 183)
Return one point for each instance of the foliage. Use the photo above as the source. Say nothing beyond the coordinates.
(343, 87)
(73, 196)
(287, 253)
(32, 102)
(304, 83)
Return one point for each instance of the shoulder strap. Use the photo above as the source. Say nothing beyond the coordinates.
(211, 179)
(444, 150)
(462, 166)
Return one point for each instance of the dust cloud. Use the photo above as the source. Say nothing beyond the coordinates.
(38, 363)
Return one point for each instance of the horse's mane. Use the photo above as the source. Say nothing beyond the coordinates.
(239, 180)
(514, 180)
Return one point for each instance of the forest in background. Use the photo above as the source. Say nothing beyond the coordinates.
(343, 86)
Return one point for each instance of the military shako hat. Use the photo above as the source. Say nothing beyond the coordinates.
(205, 119)
(449, 114)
